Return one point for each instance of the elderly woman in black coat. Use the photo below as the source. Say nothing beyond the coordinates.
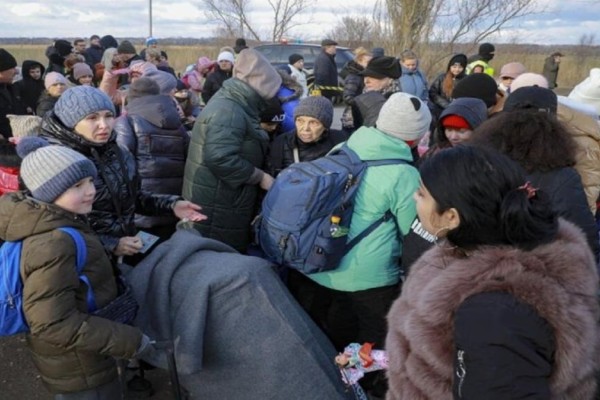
(311, 139)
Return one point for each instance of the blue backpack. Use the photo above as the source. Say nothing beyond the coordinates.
(12, 318)
(294, 228)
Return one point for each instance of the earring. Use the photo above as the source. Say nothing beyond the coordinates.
(442, 244)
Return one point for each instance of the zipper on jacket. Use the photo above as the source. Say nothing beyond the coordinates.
(461, 371)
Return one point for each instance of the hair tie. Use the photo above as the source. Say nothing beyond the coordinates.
(529, 189)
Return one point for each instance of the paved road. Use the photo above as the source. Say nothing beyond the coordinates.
(20, 380)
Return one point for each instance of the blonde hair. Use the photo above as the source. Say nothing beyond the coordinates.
(153, 54)
(360, 53)
(408, 55)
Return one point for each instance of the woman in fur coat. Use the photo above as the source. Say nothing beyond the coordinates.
(505, 306)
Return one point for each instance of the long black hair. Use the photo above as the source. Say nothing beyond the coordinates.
(485, 187)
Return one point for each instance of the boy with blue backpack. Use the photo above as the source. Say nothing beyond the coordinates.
(349, 298)
(73, 350)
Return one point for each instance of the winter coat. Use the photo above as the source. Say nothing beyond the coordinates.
(118, 195)
(45, 103)
(564, 187)
(585, 130)
(436, 91)
(415, 83)
(29, 90)
(365, 108)
(550, 71)
(325, 70)
(152, 131)
(354, 84)
(93, 55)
(300, 77)
(281, 153)
(289, 96)
(374, 262)
(223, 168)
(9, 104)
(214, 82)
(473, 110)
(497, 313)
(72, 350)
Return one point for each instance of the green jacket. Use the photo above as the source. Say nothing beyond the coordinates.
(72, 350)
(374, 262)
(225, 158)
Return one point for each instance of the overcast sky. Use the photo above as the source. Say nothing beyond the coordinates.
(563, 22)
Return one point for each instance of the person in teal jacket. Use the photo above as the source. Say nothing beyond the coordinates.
(350, 302)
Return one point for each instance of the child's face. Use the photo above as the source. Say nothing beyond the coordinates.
(79, 198)
(86, 80)
(96, 127)
(35, 73)
(57, 89)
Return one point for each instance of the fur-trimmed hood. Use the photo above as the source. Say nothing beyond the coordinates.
(558, 280)
(288, 82)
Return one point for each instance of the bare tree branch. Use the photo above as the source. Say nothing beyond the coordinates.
(232, 15)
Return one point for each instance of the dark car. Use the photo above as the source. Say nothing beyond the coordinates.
(278, 54)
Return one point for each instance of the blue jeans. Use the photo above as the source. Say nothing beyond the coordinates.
(109, 391)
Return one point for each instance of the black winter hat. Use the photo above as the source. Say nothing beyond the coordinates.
(294, 58)
(458, 58)
(533, 98)
(480, 86)
(240, 44)
(7, 61)
(486, 49)
(63, 47)
(383, 67)
(378, 52)
(273, 112)
(126, 48)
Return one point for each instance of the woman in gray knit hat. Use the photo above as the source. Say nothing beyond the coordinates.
(83, 120)
(311, 139)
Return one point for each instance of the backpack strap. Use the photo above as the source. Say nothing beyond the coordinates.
(81, 255)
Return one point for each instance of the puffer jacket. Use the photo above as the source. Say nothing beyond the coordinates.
(214, 82)
(72, 350)
(223, 168)
(374, 262)
(281, 152)
(441, 329)
(415, 83)
(354, 84)
(585, 130)
(118, 195)
(45, 103)
(152, 131)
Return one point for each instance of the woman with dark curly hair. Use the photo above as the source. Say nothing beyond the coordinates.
(529, 133)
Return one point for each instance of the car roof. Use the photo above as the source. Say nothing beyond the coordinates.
(298, 44)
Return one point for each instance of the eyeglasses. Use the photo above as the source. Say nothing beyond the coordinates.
(507, 78)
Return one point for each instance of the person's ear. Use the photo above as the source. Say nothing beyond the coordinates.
(451, 218)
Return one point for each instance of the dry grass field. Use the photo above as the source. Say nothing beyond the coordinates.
(575, 66)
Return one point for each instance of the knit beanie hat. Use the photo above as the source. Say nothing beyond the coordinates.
(588, 91)
(82, 69)
(512, 70)
(255, 70)
(141, 87)
(486, 49)
(166, 82)
(126, 48)
(226, 56)
(378, 52)
(151, 41)
(49, 170)
(404, 116)
(25, 125)
(141, 68)
(532, 98)
(7, 61)
(456, 122)
(63, 47)
(52, 78)
(317, 107)
(204, 63)
(273, 112)
(480, 86)
(77, 102)
(240, 44)
(294, 58)
(529, 79)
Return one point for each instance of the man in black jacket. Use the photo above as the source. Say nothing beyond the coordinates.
(325, 69)
(9, 103)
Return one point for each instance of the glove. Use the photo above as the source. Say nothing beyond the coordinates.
(145, 348)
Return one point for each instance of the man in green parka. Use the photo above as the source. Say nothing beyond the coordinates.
(223, 171)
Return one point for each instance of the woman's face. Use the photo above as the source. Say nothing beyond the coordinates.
(86, 80)
(457, 135)
(427, 211)
(309, 129)
(57, 89)
(372, 84)
(456, 69)
(96, 127)
(364, 60)
(410, 64)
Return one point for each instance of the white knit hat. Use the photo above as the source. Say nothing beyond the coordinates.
(588, 91)
(404, 116)
(226, 56)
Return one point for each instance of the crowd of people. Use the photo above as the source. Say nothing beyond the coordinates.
(481, 281)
